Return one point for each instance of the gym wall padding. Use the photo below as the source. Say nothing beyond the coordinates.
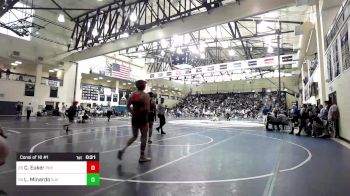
(7, 108)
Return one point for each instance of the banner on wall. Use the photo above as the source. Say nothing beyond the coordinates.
(335, 56)
(231, 66)
(345, 52)
(53, 83)
(124, 96)
(164, 96)
(329, 66)
(29, 90)
(115, 98)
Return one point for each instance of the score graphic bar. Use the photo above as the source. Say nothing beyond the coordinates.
(58, 169)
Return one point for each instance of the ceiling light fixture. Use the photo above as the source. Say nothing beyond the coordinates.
(56, 69)
(264, 26)
(124, 35)
(187, 39)
(177, 40)
(202, 46)
(133, 17)
(224, 45)
(18, 62)
(51, 71)
(164, 43)
(61, 18)
(100, 78)
(94, 32)
(162, 53)
(14, 64)
(193, 49)
(270, 49)
(179, 51)
(232, 52)
(108, 81)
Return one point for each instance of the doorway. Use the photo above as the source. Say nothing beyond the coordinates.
(333, 98)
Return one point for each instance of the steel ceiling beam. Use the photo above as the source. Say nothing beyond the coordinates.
(51, 8)
(217, 16)
(8, 4)
(65, 12)
(163, 11)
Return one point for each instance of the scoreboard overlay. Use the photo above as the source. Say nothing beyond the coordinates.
(49, 169)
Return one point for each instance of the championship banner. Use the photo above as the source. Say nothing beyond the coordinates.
(252, 63)
(211, 68)
(124, 96)
(230, 66)
(270, 61)
(223, 67)
(53, 83)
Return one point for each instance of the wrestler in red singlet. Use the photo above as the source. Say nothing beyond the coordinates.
(4, 147)
(140, 103)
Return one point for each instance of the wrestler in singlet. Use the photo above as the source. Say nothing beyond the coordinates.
(151, 116)
(139, 106)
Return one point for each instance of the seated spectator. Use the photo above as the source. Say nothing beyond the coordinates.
(318, 126)
(333, 120)
(295, 118)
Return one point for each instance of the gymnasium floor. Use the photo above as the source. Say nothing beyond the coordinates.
(195, 157)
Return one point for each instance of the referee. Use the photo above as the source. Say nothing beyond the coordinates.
(161, 112)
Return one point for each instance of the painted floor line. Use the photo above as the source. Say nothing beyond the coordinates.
(292, 143)
(159, 167)
(178, 136)
(181, 158)
(13, 131)
(189, 182)
(7, 171)
(113, 150)
(342, 142)
(61, 136)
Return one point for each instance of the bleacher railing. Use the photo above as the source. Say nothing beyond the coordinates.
(18, 77)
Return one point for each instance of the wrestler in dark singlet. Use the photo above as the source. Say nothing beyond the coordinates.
(151, 116)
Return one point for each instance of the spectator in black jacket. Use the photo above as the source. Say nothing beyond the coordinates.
(304, 116)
